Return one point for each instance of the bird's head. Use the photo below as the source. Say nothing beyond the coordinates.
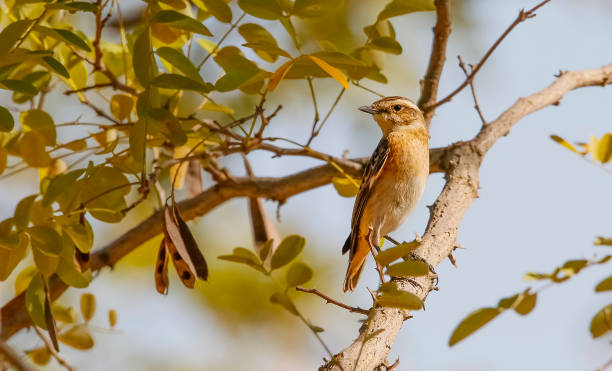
(393, 113)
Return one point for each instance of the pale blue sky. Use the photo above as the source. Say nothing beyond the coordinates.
(539, 206)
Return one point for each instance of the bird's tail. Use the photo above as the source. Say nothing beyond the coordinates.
(357, 259)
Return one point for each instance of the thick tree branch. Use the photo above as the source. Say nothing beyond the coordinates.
(462, 163)
(442, 30)
(278, 189)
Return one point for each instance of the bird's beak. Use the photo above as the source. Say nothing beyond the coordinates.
(369, 109)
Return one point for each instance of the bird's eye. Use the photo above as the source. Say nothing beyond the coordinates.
(397, 107)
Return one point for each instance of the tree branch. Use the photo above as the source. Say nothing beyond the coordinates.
(278, 189)
(522, 16)
(11, 357)
(442, 30)
(462, 163)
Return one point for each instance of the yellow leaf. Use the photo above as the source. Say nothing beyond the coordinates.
(40, 356)
(345, 187)
(279, 74)
(112, 317)
(473, 322)
(121, 106)
(77, 337)
(88, 306)
(564, 143)
(332, 71)
(207, 45)
(210, 106)
(604, 148)
(32, 149)
(23, 279)
(179, 171)
(593, 146)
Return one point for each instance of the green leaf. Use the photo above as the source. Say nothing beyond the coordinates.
(73, 39)
(605, 285)
(386, 44)
(282, 299)
(182, 22)
(143, 62)
(181, 62)
(40, 121)
(64, 314)
(13, 249)
(46, 248)
(314, 8)
(35, 301)
(56, 66)
(390, 255)
(6, 120)
(81, 235)
(473, 322)
(23, 211)
(264, 9)
(239, 71)
(262, 42)
(59, 184)
(244, 256)
(601, 322)
(88, 306)
(346, 187)
(316, 328)
(400, 7)
(67, 270)
(165, 122)
(78, 337)
(19, 86)
(137, 141)
(392, 297)
(288, 249)
(23, 279)
(12, 33)
(298, 274)
(409, 268)
(180, 82)
(219, 9)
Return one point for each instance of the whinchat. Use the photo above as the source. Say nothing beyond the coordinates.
(393, 181)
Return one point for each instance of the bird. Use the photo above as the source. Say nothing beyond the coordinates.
(393, 182)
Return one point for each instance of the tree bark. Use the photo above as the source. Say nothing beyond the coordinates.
(461, 163)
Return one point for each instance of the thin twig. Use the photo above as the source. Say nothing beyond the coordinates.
(13, 358)
(357, 84)
(476, 105)
(331, 109)
(316, 110)
(234, 25)
(86, 88)
(52, 350)
(329, 300)
(522, 16)
(605, 366)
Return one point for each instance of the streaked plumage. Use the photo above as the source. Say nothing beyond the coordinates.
(394, 179)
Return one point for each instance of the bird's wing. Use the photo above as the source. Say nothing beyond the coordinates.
(371, 175)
